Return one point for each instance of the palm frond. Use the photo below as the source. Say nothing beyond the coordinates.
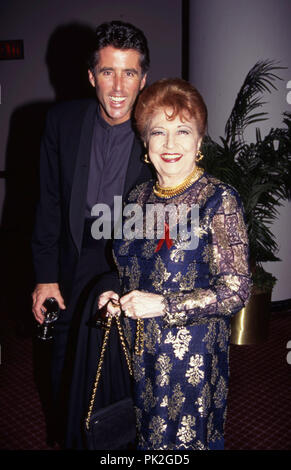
(259, 80)
(260, 170)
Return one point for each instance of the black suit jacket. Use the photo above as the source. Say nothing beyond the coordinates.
(64, 167)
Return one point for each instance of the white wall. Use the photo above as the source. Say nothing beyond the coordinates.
(24, 82)
(227, 37)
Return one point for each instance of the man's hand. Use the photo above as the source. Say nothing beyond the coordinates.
(42, 292)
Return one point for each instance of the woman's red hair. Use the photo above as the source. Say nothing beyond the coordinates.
(175, 94)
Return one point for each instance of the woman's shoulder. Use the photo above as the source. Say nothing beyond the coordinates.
(216, 195)
(140, 191)
(222, 189)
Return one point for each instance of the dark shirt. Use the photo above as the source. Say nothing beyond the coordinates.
(111, 148)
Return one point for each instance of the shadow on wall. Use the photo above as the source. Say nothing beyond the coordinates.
(66, 57)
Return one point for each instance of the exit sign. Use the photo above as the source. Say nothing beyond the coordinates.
(11, 50)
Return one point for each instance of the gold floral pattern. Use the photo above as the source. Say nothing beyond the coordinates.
(199, 446)
(210, 426)
(194, 373)
(164, 366)
(223, 336)
(124, 248)
(164, 402)
(199, 231)
(149, 248)
(206, 192)
(204, 222)
(180, 342)
(220, 393)
(177, 254)
(229, 203)
(152, 336)
(214, 369)
(186, 432)
(209, 258)
(159, 275)
(136, 192)
(187, 281)
(133, 273)
(148, 397)
(175, 402)
(210, 337)
(138, 369)
(204, 401)
(220, 234)
(138, 416)
(158, 426)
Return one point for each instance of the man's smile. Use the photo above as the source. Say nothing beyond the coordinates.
(117, 99)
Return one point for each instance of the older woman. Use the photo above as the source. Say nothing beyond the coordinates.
(178, 298)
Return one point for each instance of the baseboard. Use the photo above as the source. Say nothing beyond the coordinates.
(281, 305)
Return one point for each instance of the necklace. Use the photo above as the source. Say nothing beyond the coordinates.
(168, 192)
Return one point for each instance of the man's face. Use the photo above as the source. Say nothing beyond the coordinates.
(118, 80)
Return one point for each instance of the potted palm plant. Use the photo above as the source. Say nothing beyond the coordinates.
(260, 171)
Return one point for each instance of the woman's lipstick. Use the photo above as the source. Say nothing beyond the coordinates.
(171, 157)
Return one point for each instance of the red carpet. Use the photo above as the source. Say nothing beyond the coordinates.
(259, 405)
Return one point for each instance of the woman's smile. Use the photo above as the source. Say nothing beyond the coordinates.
(171, 157)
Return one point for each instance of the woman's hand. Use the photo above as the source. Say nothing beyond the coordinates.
(139, 304)
(109, 301)
(104, 298)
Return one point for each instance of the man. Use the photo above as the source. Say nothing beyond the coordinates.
(89, 154)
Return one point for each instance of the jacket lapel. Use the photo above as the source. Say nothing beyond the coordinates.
(80, 180)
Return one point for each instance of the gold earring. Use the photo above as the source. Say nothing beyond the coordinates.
(146, 158)
(199, 156)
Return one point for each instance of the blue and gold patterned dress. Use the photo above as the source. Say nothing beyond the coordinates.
(181, 377)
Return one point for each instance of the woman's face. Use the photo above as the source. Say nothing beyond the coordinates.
(172, 147)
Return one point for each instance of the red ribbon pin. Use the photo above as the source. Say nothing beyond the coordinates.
(166, 239)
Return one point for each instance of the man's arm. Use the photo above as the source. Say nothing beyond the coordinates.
(46, 235)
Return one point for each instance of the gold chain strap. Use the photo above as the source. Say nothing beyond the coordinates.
(101, 360)
(123, 345)
(138, 348)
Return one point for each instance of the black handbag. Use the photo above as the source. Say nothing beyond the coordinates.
(114, 426)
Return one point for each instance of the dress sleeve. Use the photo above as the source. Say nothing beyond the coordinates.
(227, 257)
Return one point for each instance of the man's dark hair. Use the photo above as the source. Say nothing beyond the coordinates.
(121, 36)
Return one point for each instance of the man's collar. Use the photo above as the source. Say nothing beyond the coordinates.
(126, 124)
